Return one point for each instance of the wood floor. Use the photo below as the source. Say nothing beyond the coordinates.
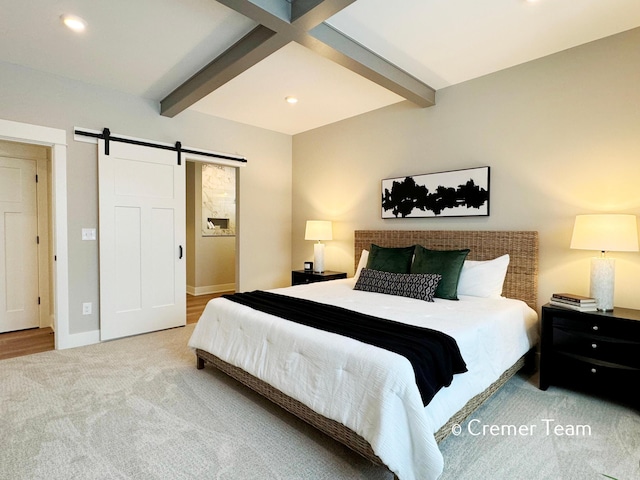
(36, 340)
(25, 342)
(196, 304)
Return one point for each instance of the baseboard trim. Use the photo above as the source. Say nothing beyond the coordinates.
(79, 340)
(208, 289)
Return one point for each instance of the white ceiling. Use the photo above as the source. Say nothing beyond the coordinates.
(149, 47)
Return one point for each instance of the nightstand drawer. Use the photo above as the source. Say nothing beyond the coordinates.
(300, 278)
(599, 347)
(597, 325)
(594, 374)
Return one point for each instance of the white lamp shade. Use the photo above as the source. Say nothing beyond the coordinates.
(605, 233)
(318, 230)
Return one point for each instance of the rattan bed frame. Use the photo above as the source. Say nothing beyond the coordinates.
(521, 283)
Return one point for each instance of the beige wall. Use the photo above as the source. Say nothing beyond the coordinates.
(561, 135)
(265, 184)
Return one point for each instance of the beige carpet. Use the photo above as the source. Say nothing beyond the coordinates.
(559, 434)
(138, 408)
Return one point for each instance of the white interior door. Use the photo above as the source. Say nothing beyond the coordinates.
(18, 246)
(142, 240)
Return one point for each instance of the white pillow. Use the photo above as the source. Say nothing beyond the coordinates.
(483, 278)
(364, 256)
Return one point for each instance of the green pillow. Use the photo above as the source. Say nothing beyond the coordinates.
(395, 260)
(447, 263)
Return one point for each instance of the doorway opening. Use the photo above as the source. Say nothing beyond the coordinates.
(26, 252)
(55, 140)
(211, 224)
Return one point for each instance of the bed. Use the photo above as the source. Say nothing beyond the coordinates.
(293, 365)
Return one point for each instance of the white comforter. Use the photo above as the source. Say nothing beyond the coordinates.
(370, 390)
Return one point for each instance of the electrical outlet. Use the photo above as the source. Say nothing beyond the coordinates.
(86, 308)
(88, 234)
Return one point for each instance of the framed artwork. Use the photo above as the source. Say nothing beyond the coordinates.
(457, 193)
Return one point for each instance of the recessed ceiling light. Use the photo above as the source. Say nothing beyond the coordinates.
(75, 23)
(291, 100)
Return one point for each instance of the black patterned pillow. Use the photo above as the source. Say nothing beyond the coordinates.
(414, 285)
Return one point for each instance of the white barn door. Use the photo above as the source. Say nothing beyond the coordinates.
(142, 240)
(18, 247)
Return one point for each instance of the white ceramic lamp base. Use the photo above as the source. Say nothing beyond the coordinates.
(318, 257)
(603, 274)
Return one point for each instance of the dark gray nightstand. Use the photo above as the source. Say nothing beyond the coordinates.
(299, 277)
(597, 351)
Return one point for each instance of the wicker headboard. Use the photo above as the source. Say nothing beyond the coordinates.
(521, 281)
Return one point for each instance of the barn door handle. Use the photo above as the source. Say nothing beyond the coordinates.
(180, 247)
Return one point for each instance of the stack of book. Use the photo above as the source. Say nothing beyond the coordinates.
(574, 302)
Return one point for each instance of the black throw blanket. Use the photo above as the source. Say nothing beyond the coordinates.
(434, 355)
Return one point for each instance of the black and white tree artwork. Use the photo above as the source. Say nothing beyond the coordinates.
(445, 194)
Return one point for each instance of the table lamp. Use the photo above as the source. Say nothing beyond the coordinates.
(606, 233)
(318, 230)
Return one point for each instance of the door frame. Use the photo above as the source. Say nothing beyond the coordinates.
(195, 158)
(44, 242)
(56, 139)
(197, 162)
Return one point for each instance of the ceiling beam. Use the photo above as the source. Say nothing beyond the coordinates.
(303, 21)
(334, 45)
(306, 14)
(273, 14)
(248, 51)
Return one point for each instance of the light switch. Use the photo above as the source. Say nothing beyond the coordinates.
(88, 234)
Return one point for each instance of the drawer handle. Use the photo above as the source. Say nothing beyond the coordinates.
(595, 327)
(593, 370)
(594, 345)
